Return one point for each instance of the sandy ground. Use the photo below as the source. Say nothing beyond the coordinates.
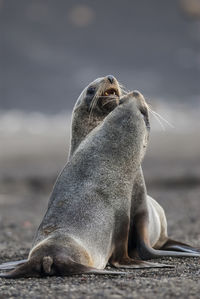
(172, 174)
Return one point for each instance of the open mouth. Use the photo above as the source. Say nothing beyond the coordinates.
(109, 99)
(111, 92)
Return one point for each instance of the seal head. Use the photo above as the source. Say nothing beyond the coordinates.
(95, 102)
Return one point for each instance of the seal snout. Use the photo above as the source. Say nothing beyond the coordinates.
(109, 93)
(111, 87)
(141, 105)
(136, 94)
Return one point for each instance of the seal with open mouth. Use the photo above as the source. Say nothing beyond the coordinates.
(95, 102)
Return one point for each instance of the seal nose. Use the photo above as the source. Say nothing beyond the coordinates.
(136, 93)
(111, 78)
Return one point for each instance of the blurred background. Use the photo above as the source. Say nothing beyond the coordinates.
(50, 50)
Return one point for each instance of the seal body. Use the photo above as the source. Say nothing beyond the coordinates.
(87, 223)
(148, 220)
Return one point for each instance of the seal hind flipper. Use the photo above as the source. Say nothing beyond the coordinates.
(179, 246)
(49, 268)
(28, 269)
(11, 265)
(129, 263)
(146, 252)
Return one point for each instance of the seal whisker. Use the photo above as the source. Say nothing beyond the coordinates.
(113, 96)
(108, 102)
(94, 100)
(161, 117)
(157, 118)
(149, 107)
(92, 106)
(123, 88)
(121, 85)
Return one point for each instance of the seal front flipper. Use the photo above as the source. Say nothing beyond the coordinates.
(120, 257)
(179, 246)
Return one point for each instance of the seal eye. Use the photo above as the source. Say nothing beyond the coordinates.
(91, 90)
(144, 114)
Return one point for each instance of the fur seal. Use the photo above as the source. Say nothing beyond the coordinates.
(148, 228)
(87, 222)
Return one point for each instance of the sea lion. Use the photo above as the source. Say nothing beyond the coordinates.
(148, 236)
(87, 222)
(148, 228)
